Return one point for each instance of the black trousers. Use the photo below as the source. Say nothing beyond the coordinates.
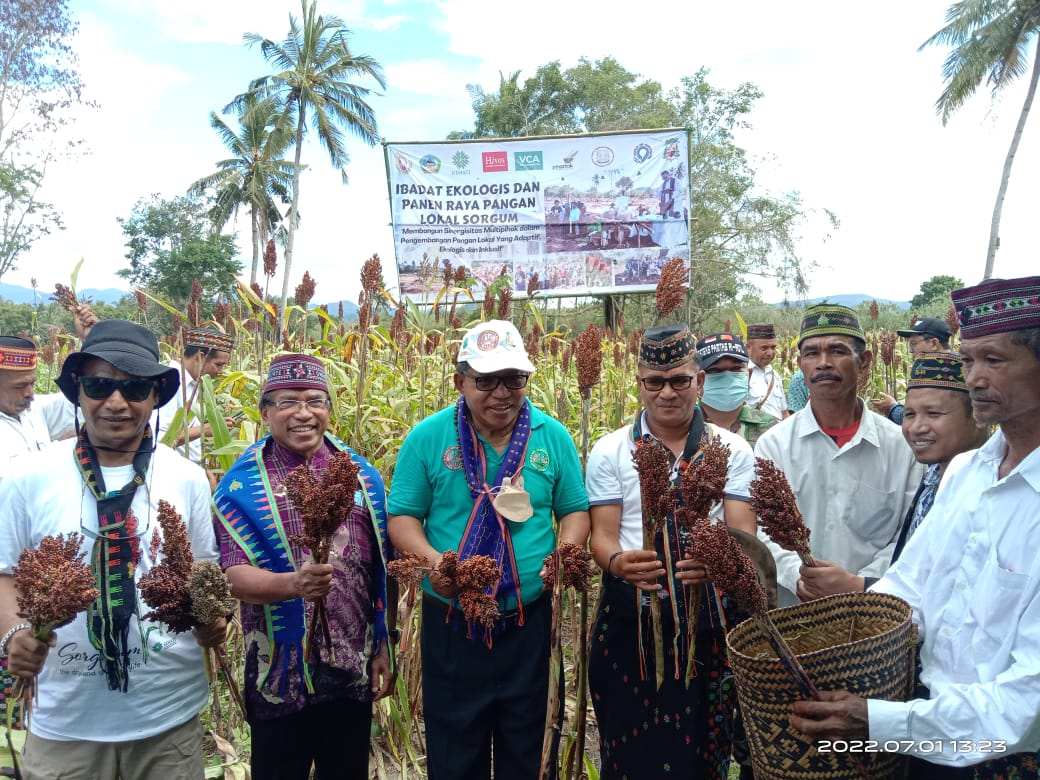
(480, 701)
(334, 736)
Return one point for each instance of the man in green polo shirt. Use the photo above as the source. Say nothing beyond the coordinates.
(484, 690)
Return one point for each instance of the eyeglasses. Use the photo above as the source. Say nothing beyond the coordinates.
(314, 404)
(101, 387)
(486, 383)
(656, 383)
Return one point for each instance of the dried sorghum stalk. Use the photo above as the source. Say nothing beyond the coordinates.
(65, 296)
(474, 576)
(651, 461)
(733, 572)
(53, 583)
(409, 569)
(142, 301)
(505, 302)
(165, 587)
(589, 359)
(575, 560)
(952, 321)
(703, 483)
(874, 311)
(305, 290)
(210, 593)
(488, 303)
(671, 287)
(372, 275)
(324, 503)
(270, 261)
(532, 284)
(773, 501)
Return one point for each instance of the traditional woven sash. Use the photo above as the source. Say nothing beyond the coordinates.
(113, 560)
(247, 509)
(670, 544)
(486, 532)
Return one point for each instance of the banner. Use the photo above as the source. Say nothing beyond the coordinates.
(564, 215)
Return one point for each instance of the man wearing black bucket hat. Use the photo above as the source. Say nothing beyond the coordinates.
(119, 696)
(971, 573)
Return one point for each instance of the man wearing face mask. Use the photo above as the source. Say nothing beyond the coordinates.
(724, 360)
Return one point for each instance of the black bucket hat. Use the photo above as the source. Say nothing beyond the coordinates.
(131, 348)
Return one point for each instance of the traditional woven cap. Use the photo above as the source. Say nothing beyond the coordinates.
(209, 339)
(830, 319)
(495, 345)
(761, 330)
(17, 354)
(998, 306)
(296, 372)
(666, 346)
(715, 346)
(937, 369)
(131, 348)
(932, 327)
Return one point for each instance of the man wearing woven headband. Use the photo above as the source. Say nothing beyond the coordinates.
(206, 352)
(29, 422)
(115, 690)
(938, 425)
(306, 711)
(852, 473)
(766, 387)
(490, 475)
(971, 571)
(634, 741)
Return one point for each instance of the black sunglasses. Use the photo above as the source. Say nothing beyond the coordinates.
(101, 387)
(656, 383)
(488, 382)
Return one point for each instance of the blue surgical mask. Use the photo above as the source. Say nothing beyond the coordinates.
(726, 390)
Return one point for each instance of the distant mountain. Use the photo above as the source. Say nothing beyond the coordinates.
(16, 294)
(850, 299)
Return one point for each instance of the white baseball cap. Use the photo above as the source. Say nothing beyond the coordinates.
(495, 345)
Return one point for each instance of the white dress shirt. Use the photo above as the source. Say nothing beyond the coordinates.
(758, 387)
(853, 499)
(49, 417)
(188, 391)
(971, 572)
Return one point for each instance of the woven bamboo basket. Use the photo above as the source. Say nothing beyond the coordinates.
(862, 642)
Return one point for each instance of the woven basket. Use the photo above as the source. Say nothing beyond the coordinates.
(862, 642)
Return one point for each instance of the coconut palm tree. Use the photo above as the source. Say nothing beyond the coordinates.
(314, 67)
(256, 174)
(991, 41)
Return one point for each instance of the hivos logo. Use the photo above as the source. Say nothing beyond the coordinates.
(495, 161)
(527, 161)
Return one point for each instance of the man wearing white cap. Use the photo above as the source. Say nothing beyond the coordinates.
(485, 689)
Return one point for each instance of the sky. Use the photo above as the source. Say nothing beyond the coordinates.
(847, 120)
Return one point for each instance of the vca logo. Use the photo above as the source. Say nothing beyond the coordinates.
(527, 161)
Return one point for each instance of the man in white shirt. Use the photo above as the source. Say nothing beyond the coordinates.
(851, 471)
(206, 351)
(30, 422)
(971, 571)
(765, 387)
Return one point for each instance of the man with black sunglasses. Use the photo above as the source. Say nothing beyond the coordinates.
(644, 730)
(490, 475)
(119, 695)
